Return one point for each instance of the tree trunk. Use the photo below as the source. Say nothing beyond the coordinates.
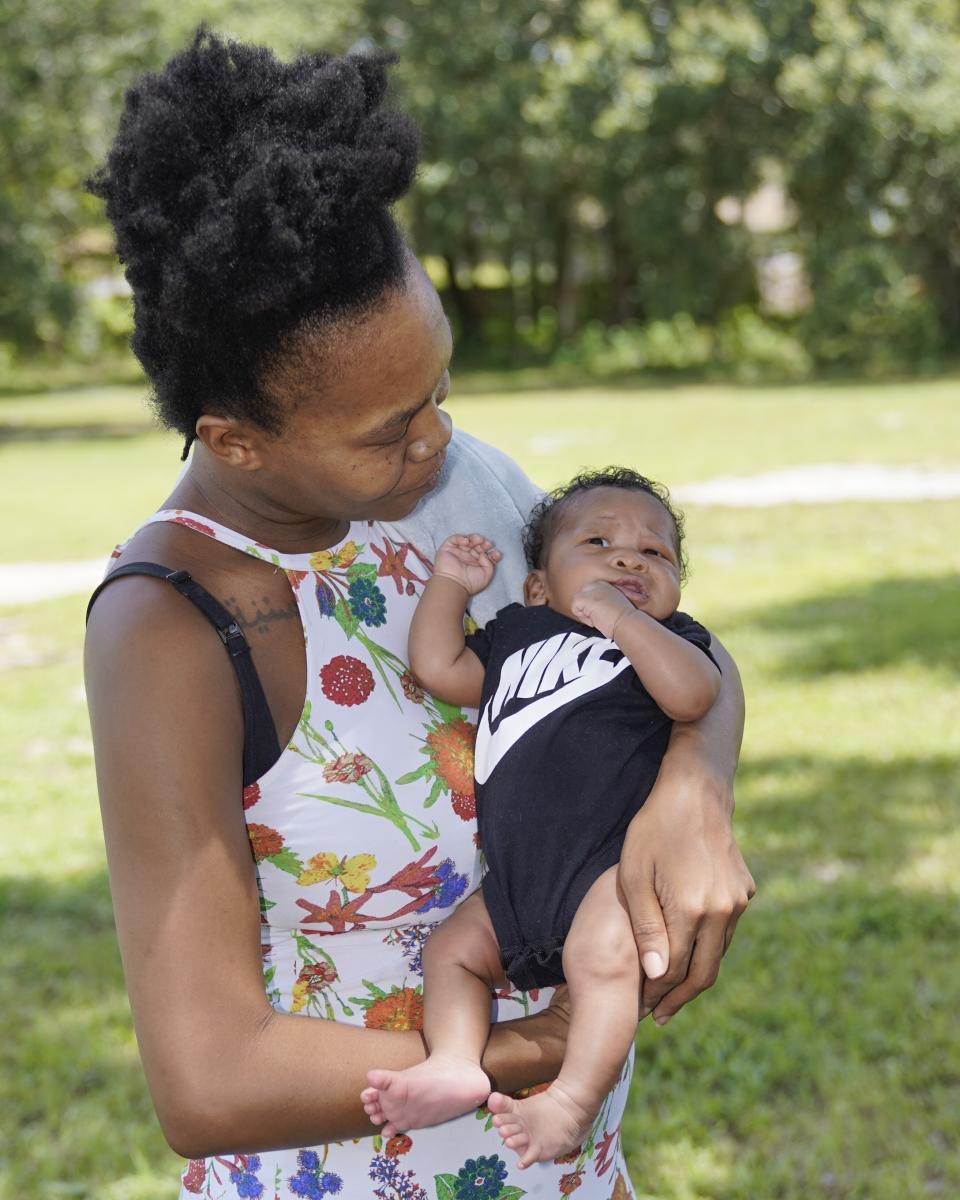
(463, 302)
(566, 283)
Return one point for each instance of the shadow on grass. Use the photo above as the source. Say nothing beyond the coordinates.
(888, 622)
(112, 431)
(821, 818)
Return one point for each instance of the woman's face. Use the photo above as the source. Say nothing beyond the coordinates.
(364, 436)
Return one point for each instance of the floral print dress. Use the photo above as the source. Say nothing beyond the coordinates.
(364, 837)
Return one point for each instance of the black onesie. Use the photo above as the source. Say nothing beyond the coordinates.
(569, 744)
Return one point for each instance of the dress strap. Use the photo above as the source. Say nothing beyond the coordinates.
(261, 748)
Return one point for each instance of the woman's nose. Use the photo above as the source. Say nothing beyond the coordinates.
(433, 439)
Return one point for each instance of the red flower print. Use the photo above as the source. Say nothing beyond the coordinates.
(570, 1183)
(392, 563)
(564, 1159)
(251, 794)
(348, 768)
(605, 1148)
(346, 680)
(317, 974)
(464, 805)
(620, 1189)
(264, 840)
(398, 1144)
(402, 1010)
(296, 578)
(451, 748)
(411, 689)
(192, 524)
(195, 1176)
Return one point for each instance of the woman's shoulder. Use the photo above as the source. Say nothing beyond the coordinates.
(481, 489)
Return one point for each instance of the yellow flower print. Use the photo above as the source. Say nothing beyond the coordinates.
(353, 872)
(321, 561)
(347, 553)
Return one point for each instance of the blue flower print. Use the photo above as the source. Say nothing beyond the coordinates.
(395, 1184)
(480, 1178)
(326, 600)
(247, 1184)
(367, 602)
(309, 1182)
(449, 890)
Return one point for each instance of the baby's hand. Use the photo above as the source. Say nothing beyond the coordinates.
(469, 559)
(600, 604)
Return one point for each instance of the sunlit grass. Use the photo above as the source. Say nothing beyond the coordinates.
(825, 1062)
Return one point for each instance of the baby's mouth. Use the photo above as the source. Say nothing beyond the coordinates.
(634, 590)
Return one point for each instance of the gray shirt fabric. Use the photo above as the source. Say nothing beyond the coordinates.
(481, 490)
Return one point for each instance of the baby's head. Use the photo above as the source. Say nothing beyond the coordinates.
(613, 525)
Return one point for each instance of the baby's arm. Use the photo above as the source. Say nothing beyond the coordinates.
(678, 675)
(438, 654)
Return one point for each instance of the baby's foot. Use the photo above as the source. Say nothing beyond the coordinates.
(540, 1127)
(431, 1092)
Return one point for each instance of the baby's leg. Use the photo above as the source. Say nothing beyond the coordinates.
(602, 969)
(461, 963)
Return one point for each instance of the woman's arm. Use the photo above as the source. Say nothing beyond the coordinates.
(682, 874)
(225, 1070)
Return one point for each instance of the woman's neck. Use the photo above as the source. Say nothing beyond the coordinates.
(203, 490)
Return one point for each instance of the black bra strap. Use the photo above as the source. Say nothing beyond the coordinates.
(261, 749)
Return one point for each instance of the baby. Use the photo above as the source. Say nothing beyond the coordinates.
(577, 690)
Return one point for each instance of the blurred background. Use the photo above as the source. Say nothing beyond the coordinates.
(715, 239)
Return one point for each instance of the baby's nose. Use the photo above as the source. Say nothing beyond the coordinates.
(629, 559)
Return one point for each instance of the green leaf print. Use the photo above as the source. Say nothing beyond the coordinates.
(287, 861)
(511, 1193)
(420, 773)
(345, 618)
(361, 570)
(445, 1185)
(435, 793)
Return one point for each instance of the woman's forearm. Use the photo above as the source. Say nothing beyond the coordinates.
(288, 1081)
(707, 750)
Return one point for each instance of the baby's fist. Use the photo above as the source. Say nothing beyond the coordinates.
(469, 559)
(600, 604)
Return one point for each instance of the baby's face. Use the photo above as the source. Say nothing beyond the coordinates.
(624, 538)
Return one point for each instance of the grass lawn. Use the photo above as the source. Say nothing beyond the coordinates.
(825, 1063)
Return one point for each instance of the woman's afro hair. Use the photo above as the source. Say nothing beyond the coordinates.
(546, 517)
(249, 195)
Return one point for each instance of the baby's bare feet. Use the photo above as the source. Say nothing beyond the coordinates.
(433, 1091)
(540, 1127)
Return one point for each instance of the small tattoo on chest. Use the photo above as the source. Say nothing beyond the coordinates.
(259, 614)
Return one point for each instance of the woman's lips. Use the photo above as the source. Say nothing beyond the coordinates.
(429, 483)
(635, 591)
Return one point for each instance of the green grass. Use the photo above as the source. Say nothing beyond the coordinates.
(825, 1063)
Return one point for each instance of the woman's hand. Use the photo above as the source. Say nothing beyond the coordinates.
(468, 559)
(683, 877)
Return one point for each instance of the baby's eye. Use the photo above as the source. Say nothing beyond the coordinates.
(598, 541)
(653, 550)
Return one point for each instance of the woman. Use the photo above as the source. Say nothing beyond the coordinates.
(293, 338)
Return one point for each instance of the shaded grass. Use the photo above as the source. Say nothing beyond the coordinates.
(825, 1063)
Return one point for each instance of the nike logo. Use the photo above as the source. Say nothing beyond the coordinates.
(548, 675)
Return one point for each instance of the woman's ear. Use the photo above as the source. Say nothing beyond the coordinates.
(534, 589)
(231, 441)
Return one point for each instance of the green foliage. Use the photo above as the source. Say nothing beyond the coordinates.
(584, 161)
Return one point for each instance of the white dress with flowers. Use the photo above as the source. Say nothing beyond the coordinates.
(364, 837)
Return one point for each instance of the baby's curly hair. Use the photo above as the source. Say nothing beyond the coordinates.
(546, 517)
(250, 199)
